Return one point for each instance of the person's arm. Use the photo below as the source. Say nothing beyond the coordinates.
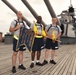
(59, 34)
(26, 25)
(31, 27)
(13, 28)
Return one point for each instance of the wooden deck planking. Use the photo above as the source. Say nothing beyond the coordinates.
(50, 69)
(50, 66)
(40, 68)
(65, 58)
(74, 68)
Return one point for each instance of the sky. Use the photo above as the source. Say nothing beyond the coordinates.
(7, 15)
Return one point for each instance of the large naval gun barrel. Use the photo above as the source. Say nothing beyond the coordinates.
(31, 10)
(15, 11)
(51, 11)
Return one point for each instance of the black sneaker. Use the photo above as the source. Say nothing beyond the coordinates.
(32, 65)
(38, 63)
(52, 61)
(13, 69)
(22, 67)
(45, 62)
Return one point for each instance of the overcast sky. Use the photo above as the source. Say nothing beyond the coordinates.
(7, 15)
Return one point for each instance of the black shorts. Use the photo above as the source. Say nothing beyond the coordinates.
(22, 47)
(51, 45)
(38, 44)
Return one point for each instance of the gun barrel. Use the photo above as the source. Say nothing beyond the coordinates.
(51, 11)
(31, 10)
(15, 11)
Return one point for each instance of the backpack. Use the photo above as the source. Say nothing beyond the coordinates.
(61, 26)
(18, 22)
(51, 26)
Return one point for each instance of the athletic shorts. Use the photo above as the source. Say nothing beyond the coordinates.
(38, 44)
(22, 48)
(51, 45)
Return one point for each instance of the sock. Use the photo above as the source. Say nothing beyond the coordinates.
(20, 64)
(37, 61)
(32, 61)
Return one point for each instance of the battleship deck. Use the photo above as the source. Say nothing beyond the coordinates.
(65, 58)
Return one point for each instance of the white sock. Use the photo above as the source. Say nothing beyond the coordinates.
(19, 64)
(37, 61)
(32, 61)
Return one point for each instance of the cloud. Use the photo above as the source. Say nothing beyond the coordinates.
(11, 14)
(2, 21)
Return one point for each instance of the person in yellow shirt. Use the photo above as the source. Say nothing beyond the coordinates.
(38, 42)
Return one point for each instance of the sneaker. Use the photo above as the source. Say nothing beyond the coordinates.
(32, 65)
(13, 69)
(38, 63)
(45, 62)
(52, 61)
(22, 67)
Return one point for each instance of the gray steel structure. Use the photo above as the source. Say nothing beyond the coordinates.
(31, 10)
(51, 11)
(15, 11)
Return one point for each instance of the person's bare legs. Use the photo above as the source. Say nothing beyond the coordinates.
(38, 58)
(20, 57)
(32, 58)
(33, 55)
(38, 55)
(21, 66)
(52, 57)
(14, 58)
(52, 54)
(46, 57)
(46, 54)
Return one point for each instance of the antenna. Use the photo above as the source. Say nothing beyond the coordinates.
(70, 3)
